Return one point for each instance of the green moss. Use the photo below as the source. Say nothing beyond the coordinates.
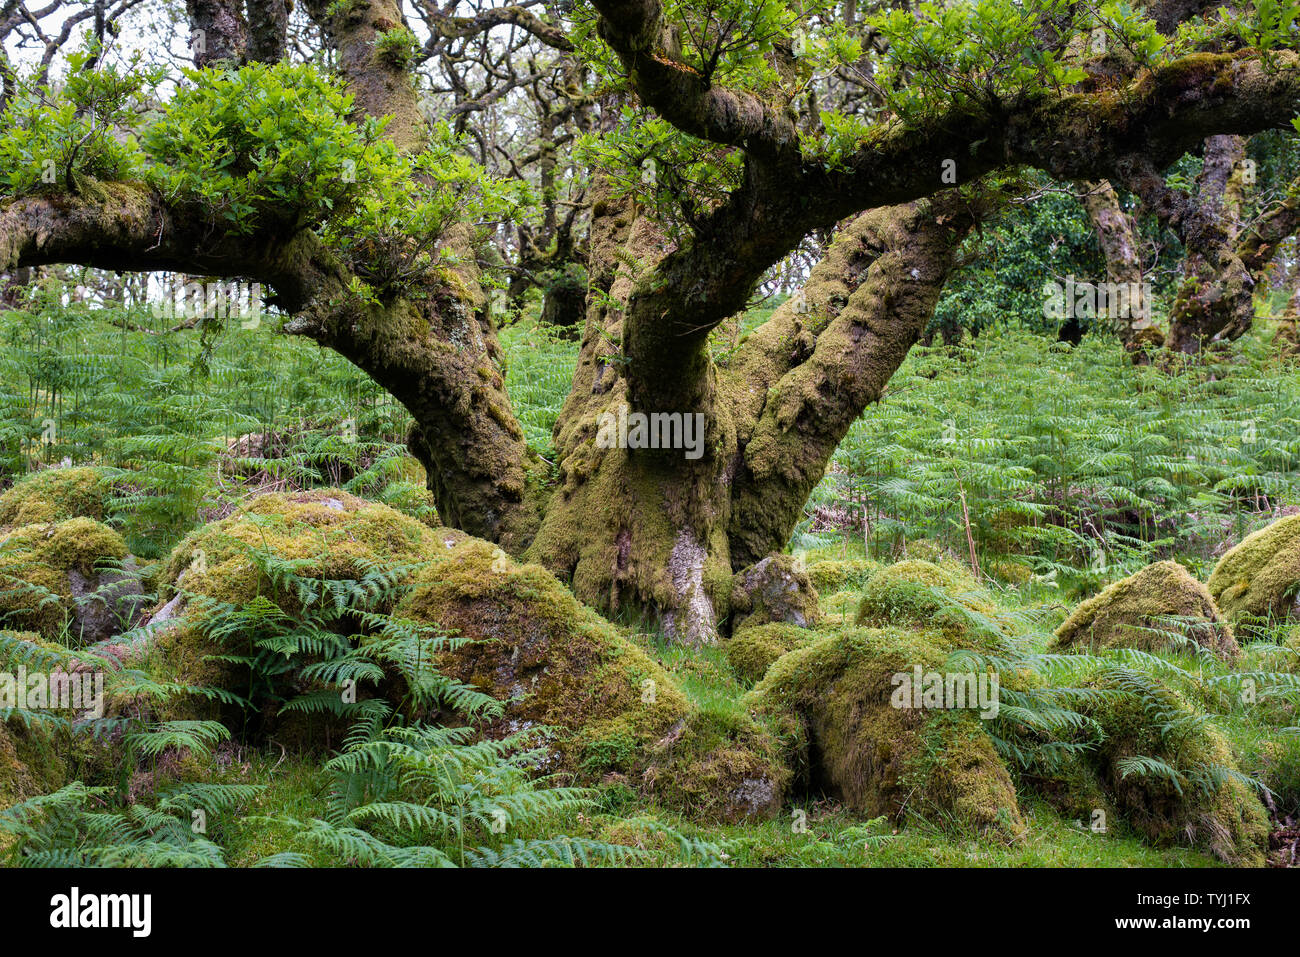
(522, 637)
(329, 533)
(926, 595)
(832, 700)
(718, 766)
(36, 592)
(832, 575)
(1260, 577)
(751, 651)
(1208, 806)
(55, 495)
(1133, 613)
(775, 589)
(32, 762)
(334, 534)
(554, 661)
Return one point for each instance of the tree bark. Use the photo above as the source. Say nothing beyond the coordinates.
(1216, 296)
(1122, 250)
(653, 531)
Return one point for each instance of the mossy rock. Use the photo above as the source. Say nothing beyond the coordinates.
(1207, 806)
(29, 763)
(926, 595)
(522, 636)
(839, 609)
(1260, 577)
(329, 533)
(718, 767)
(45, 569)
(751, 651)
(615, 711)
(552, 660)
(1153, 610)
(32, 762)
(832, 700)
(775, 589)
(332, 533)
(832, 574)
(56, 495)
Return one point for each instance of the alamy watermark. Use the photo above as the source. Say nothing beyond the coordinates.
(921, 689)
(654, 430)
(1075, 299)
(211, 300)
(81, 691)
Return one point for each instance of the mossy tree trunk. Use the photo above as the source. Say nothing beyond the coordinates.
(1223, 259)
(1121, 248)
(638, 530)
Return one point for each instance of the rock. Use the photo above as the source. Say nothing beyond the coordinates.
(519, 635)
(1154, 610)
(1209, 806)
(925, 595)
(775, 589)
(56, 495)
(554, 661)
(830, 575)
(834, 701)
(49, 572)
(329, 533)
(1260, 578)
(751, 651)
(718, 767)
(30, 765)
(106, 604)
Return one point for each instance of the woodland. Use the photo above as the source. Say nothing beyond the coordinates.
(649, 433)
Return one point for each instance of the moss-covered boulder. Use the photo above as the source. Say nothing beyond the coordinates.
(835, 703)
(1260, 577)
(751, 651)
(56, 495)
(521, 637)
(616, 711)
(833, 574)
(31, 763)
(923, 594)
(1159, 608)
(1172, 776)
(325, 533)
(74, 575)
(330, 533)
(718, 766)
(775, 589)
(554, 661)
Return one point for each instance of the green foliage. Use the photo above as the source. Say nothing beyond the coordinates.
(428, 796)
(409, 202)
(62, 138)
(335, 635)
(71, 828)
(165, 414)
(1080, 464)
(398, 46)
(264, 147)
(678, 176)
(981, 55)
